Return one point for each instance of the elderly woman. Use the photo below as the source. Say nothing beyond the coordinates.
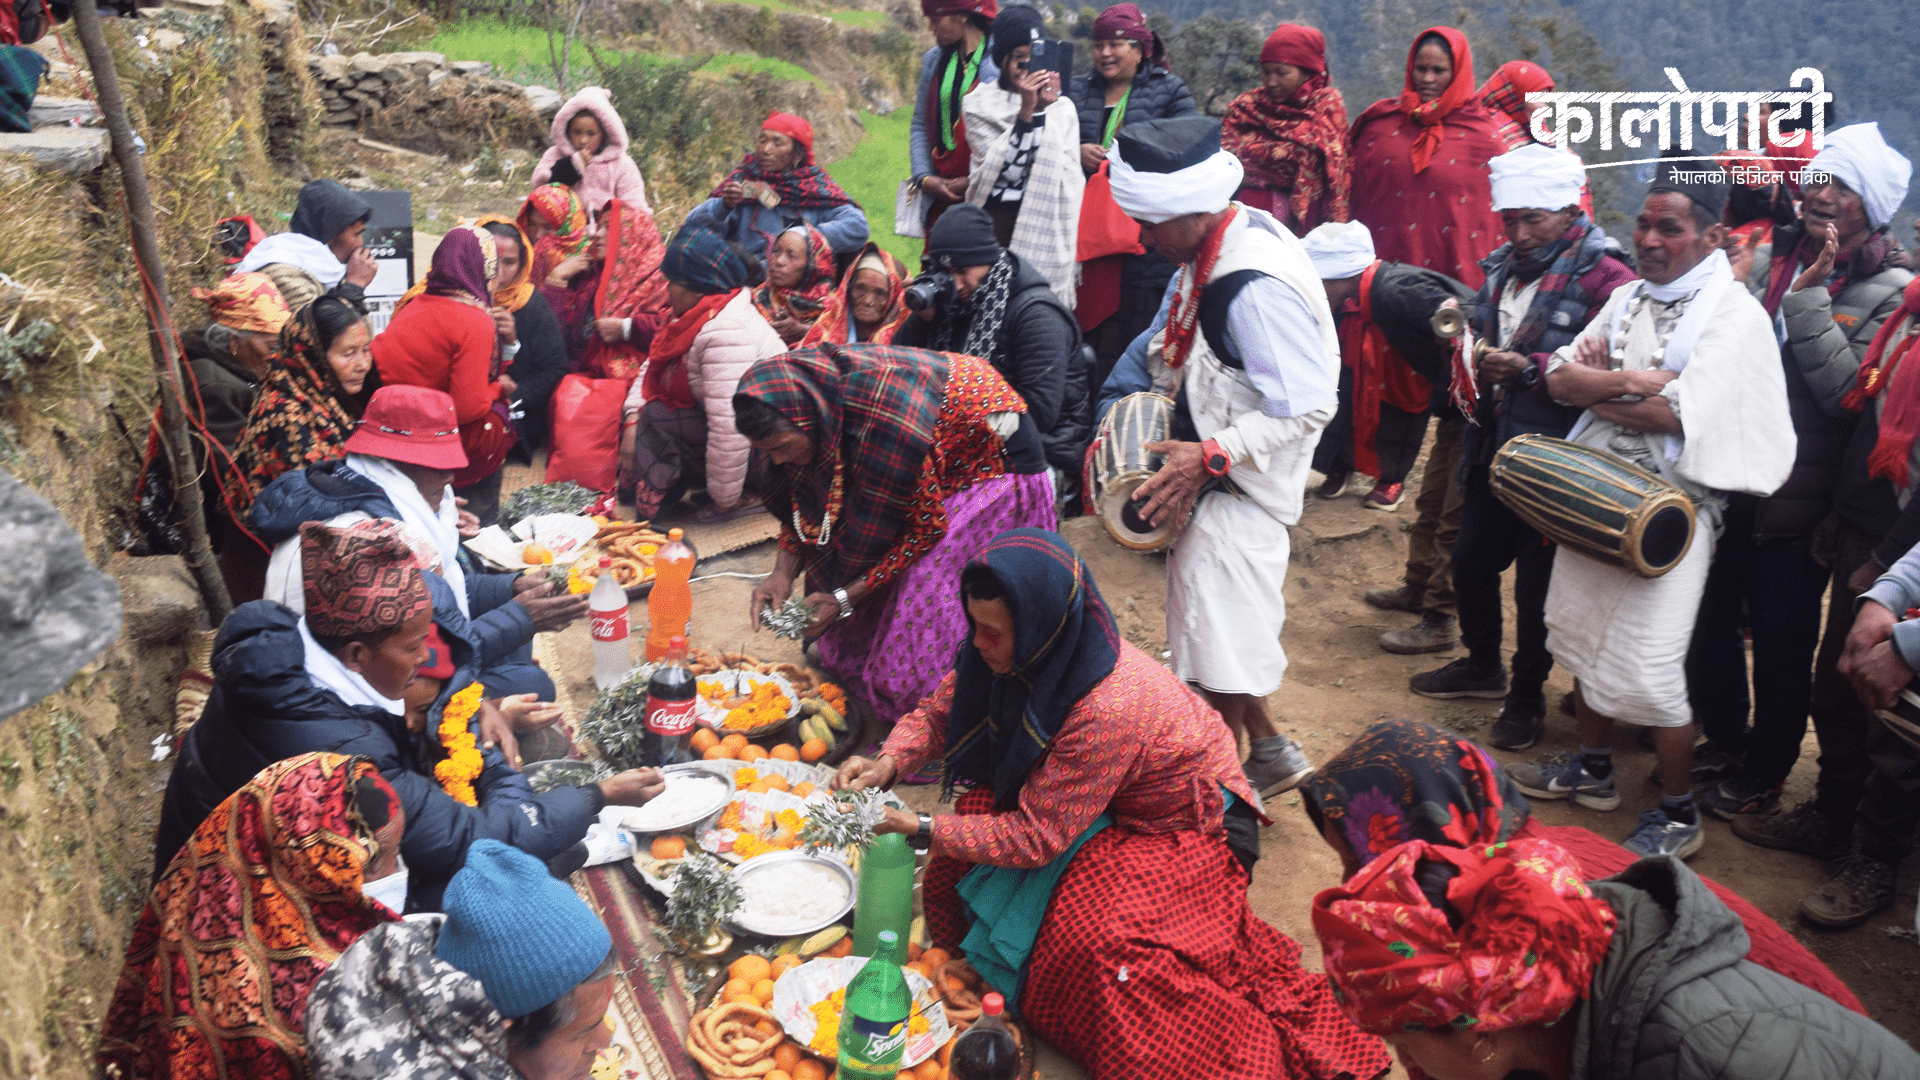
(1486, 962)
(1129, 83)
(1408, 780)
(1025, 139)
(232, 356)
(275, 884)
(1291, 133)
(892, 467)
(869, 305)
(800, 278)
(778, 184)
(315, 390)
(1106, 842)
(678, 423)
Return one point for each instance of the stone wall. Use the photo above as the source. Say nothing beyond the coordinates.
(420, 100)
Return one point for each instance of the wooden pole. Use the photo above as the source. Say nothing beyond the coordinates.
(191, 515)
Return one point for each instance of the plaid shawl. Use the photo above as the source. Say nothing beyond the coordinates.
(1297, 145)
(871, 412)
(807, 298)
(1046, 232)
(805, 188)
(831, 326)
(1505, 96)
(1559, 259)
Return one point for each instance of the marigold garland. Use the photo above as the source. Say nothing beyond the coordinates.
(463, 764)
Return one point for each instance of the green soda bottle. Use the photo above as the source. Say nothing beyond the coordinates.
(886, 895)
(873, 1029)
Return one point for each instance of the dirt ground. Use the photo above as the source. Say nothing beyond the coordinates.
(1338, 682)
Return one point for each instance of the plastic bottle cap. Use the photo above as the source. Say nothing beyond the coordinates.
(676, 642)
(888, 939)
(675, 534)
(606, 561)
(993, 1004)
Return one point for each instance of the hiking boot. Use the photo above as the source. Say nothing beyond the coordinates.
(1522, 721)
(1433, 633)
(1860, 887)
(1336, 484)
(1385, 497)
(1458, 679)
(1740, 795)
(1403, 598)
(1569, 779)
(1658, 834)
(1282, 772)
(1804, 829)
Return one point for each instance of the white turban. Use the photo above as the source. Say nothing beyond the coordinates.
(1536, 177)
(1154, 197)
(1339, 249)
(1858, 157)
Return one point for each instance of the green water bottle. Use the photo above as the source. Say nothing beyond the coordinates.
(873, 1028)
(886, 895)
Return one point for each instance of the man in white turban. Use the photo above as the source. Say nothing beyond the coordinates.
(1543, 287)
(1249, 352)
(1679, 375)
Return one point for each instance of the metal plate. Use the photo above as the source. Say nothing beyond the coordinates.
(756, 866)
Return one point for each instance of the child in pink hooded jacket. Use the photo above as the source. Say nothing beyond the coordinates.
(589, 137)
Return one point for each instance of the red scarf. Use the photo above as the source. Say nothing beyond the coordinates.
(630, 287)
(1430, 116)
(1296, 145)
(1183, 321)
(1380, 376)
(1899, 380)
(666, 376)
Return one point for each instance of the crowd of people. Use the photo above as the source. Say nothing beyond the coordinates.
(918, 436)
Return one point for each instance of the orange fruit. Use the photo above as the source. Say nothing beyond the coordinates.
(903, 1074)
(750, 752)
(668, 847)
(814, 749)
(944, 1055)
(785, 752)
(914, 951)
(935, 957)
(775, 781)
(767, 1029)
(809, 1069)
(763, 989)
(703, 738)
(779, 1074)
(784, 963)
(716, 753)
(751, 968)
(786, 1056)
(737, 990)
(734, 743)
(929, 1069)
(921, 966)
(802, 789)
(760, 787)
(843, 947)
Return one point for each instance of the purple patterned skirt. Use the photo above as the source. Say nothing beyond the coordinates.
(900, 641)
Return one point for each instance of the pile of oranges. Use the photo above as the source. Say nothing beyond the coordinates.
(735, 747)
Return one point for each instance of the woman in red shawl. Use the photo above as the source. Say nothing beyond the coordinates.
(1420, 165)
(869, 305)
(1291, 133)
(630, 295)
(799, 281)
(1505, 96)
(555, 219)
(266, 896)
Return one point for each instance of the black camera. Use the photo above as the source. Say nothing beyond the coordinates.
(932, 289)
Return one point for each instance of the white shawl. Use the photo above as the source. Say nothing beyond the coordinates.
(1046, 233)
(442, 527)
(327, 672)
(300, 250)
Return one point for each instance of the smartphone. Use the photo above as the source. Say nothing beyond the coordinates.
(1053, 54)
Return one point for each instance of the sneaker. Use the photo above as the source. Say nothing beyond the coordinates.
(1458, 680)
(1433, 633)
(1658, 834)
(1336, 484)
(1860, 887)
(1803, 829)
(1283, 772)
(1711, 765)
(1740, 795)
(1570, 779)
(1402, 598)
(1522, 721)
(1385, 497)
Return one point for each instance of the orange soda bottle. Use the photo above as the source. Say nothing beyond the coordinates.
(670, 604)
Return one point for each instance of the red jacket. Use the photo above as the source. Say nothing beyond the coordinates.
(441, 344)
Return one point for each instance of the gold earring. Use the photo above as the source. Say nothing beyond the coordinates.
(1491, 1053)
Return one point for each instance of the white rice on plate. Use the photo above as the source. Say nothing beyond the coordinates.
(788, 897)
(687, 799)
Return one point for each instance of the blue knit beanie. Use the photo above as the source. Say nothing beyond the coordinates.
(526, 936)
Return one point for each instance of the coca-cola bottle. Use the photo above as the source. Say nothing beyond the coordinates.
(670, 709)
(986, 1051)
(607, 615)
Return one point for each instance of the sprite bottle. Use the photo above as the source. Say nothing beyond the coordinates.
(873, 1029)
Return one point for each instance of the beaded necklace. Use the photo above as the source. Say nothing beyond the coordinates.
(1185, 316)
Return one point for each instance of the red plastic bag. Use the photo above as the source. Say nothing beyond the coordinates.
(586, 431)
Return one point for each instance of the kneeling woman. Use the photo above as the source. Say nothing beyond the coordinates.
(1100, 843)
(892, 468)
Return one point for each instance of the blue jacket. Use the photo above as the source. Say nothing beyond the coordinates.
(321, 492)
(919, 138)
(753, 225)
(264, 708)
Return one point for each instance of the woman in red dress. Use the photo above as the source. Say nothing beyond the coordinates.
(1106, 844)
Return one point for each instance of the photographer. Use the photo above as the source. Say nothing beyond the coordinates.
(980, 299)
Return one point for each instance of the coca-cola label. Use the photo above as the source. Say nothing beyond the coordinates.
(670, 718)
(609, 625)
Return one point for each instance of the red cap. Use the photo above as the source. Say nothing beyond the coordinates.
(676, 642)
(439, 663)
(606, 561)
(993, 1004)
(411, 424)
(795, 128)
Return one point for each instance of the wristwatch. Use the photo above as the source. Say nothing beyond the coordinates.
(846, 603)
(1214, 459)
(923, 838)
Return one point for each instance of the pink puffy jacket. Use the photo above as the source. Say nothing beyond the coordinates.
(611, 174)
(731, 342)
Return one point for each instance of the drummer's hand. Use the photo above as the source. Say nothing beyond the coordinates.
(1879, 676)
(858, 773)
(633, 787)
(1872, 625)
(1497, 367)
(496, 729)
(1169, 493)
(1592, 352)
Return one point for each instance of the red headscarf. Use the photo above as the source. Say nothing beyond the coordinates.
(1301, 46)
(1126, 22)
(1295, 143)
(1530, 936)
(630, 287)
(795, 128)
(1505, 94)
(986, 9)
(1430, 115)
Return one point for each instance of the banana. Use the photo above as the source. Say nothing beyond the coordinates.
(822, 941)
(809, 706)
(832, 716)
(790, 945)
(917, 930)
